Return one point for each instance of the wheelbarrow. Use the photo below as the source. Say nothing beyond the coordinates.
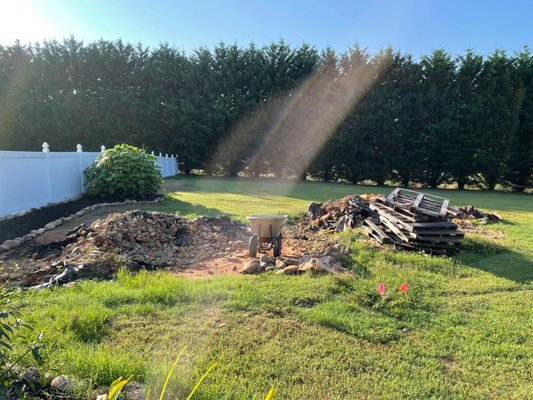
(267, 233)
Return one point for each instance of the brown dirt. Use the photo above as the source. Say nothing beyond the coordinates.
(19, 260)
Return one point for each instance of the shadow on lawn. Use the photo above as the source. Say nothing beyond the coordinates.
(173, 205)
(322, 191)
(494, 258)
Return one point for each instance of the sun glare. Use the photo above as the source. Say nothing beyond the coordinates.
(24, 20)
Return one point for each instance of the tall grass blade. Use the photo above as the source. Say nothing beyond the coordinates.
(271, 394)
(170, 373)
(200, 381)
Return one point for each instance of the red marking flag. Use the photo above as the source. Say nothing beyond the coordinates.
(381, 289)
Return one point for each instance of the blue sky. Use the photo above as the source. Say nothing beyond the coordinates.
(414, 26)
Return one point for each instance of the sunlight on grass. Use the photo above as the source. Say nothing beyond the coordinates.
(463, 329)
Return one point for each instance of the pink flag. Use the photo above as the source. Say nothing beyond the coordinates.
(403, 287)
(381, 288)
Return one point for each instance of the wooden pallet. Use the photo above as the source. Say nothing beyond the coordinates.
(415, 221)
(422, 203)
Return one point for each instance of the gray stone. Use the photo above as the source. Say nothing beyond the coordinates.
(33, 377)
(265, 258)
(280, 264)
(34, 232)
(133, 391)
(49, 226)
(12, 243)
(250, 266)
(3, 248)
(61, 383)
(263, 265)
(40, 231)
(28, 237)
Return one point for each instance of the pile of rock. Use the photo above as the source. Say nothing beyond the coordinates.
(144, 239)
(281, 265)
(339, 215)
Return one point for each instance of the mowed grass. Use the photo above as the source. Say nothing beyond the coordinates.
(464, 330)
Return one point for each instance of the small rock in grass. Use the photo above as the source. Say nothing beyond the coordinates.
(280, 271)
(133, 391)
(250, 266)
(61, 383)
(32, 376)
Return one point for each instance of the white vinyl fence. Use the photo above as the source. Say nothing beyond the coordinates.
(31, 179)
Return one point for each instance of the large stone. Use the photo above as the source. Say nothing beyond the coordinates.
(291, 269)
(3, 247)
(49, 226)
(250, 266)
(61, 384)
(291, 261)
(312, 265)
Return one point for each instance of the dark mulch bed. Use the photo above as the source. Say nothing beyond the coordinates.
(20, 226)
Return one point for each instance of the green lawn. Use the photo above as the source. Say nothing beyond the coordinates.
(464, 330)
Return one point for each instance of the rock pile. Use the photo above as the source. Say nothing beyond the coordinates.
(146, 239)
(342, 214)
(281, 265)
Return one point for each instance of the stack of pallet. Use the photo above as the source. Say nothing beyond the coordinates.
(414, 220)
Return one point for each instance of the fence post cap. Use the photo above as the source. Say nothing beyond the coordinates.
(160, 155)
(102, 149)
(153, 153)
(79, 148)
(46, 147)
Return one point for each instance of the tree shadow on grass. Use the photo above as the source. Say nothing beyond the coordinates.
(492, 257)
(175, 206)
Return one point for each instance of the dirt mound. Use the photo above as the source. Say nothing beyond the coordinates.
(134, 239)
(153, 238)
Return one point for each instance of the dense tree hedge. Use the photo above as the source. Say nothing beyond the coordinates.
(279, 110)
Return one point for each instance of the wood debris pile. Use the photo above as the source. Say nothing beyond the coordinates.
(414, 220)
(342, 214)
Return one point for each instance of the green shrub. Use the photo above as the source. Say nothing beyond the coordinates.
(124, 172)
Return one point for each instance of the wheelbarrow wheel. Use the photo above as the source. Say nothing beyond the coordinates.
(276, 244)
(252, 245)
